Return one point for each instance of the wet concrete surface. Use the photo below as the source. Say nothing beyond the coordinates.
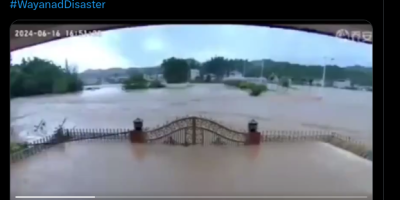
(120, 169)
(343, 111)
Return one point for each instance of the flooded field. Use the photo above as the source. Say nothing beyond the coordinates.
(344, 111)
(121, 169)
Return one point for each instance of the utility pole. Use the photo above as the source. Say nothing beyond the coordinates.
(262, 68)
(244, 68)
(327, 61)
(323, 74)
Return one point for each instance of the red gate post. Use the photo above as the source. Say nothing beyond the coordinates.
(254, 137)
(137, 135)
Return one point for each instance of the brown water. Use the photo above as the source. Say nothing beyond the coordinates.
(120, 169)
(344, 111)
(117, 168)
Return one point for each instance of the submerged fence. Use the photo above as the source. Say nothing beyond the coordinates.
(68, 135)
(97, 135)
(194, 125)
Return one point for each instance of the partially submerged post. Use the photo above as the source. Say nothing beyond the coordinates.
(254, 137)
(137, 135)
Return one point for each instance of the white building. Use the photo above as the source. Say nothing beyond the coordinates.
(153, 77)
(256, 80)
(119, 78)
(237, 76)
(318, 82)
(194, 73)
(342, 83)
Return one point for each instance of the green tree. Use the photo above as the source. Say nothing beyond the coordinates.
(38, 76)
(193, 64)
(175, 70)
(218, 66)
(136, 78)
(135, 81)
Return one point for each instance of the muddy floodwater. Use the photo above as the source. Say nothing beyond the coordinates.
(344, 111)
(122, 169)
(118, 168)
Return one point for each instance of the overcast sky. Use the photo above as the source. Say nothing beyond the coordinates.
(148, 46)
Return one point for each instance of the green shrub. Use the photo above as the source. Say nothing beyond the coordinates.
(256, 90)
(263, 88)
(245, 86)
(135, 86)
(14, 147)
(135, 82)
(136, 78)
(156, 84)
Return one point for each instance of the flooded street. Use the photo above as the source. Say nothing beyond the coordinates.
(190, 140)
(121, 169)
(344, 111)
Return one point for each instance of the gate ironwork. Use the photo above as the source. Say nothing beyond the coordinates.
(196, 131)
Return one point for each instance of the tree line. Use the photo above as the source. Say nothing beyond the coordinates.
(38, 76)
(177, 70)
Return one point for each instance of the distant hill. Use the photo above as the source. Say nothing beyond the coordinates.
(360, 68)
(357, 74)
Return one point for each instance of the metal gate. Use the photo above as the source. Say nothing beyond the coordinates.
(195, 131)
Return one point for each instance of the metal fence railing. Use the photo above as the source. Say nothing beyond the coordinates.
(69, 135)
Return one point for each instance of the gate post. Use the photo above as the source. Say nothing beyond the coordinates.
(194, 130)
(254, 137)
(137, 135)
